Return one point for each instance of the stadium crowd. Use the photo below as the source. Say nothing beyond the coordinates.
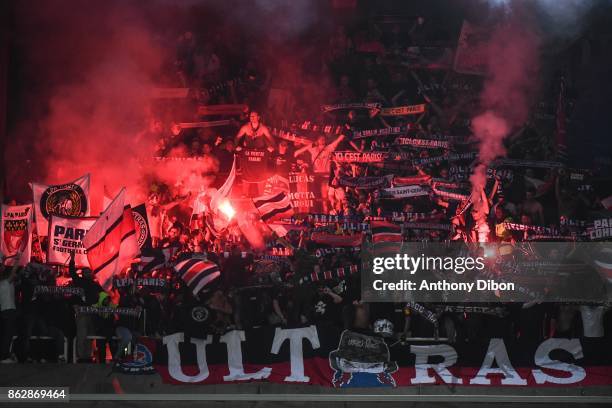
(366, 71)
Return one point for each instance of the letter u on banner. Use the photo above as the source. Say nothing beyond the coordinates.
(174, 357)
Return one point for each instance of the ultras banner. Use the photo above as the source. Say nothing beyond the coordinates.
(323, 355)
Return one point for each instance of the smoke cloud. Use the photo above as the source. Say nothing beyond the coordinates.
(88, 71)
(91, 67)
(512, 62)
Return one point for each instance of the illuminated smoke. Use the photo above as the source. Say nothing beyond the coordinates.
(506, 97)
(88, 101)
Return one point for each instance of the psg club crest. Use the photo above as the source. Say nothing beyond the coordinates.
(142, 228)
(15, 236)
(67, 200)
(362, 361)
(15, 231)
(140, 362)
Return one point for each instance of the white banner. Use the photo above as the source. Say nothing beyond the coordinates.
(67, 200)
(66, 235)
(403, 192)
(16, 234)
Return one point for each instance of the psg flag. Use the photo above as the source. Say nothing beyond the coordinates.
(273, 205)
(197, 273)
(111, 242)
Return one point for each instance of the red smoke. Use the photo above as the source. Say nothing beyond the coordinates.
(89, 68)
(506, 98)
(95, 67)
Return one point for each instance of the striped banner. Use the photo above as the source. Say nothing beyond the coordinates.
(273, 205)
(197, 273)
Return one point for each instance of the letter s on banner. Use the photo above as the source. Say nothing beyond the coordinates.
(543, 360)
(174, 358)
(296, 351)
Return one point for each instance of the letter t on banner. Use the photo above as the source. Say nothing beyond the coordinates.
(296, 351)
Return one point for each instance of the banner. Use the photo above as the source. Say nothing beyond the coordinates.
(254, 164)
(16, 231)
(359, 157)
(321, 252)
(601, 229)
(510, 226)
(365, 182)
(58, 291)
(424, 143)
(356, 105)
(427, 226)
(107, 310)
(330, 218)
(337, 240)
(145, 283)
(403, 110)
(457, 195)
(471, 56)
(446, 158)
(66, 200)
(66, 235)
(305, 192)
(411, 180)
(402, 192)
(394, 130)
(541, 164)
(141, 222)
(324, 355)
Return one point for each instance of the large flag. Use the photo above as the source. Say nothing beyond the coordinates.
(16, 234)
(273, 205)
(66, 234)
(111, 242)
(197, 273)
(384, 231)
(67, 200)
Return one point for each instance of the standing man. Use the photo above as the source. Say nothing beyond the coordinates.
(320, 155)
(254, 142)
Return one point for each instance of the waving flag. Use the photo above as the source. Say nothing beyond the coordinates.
(273, 205)
(197, 273)
(111, 242)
